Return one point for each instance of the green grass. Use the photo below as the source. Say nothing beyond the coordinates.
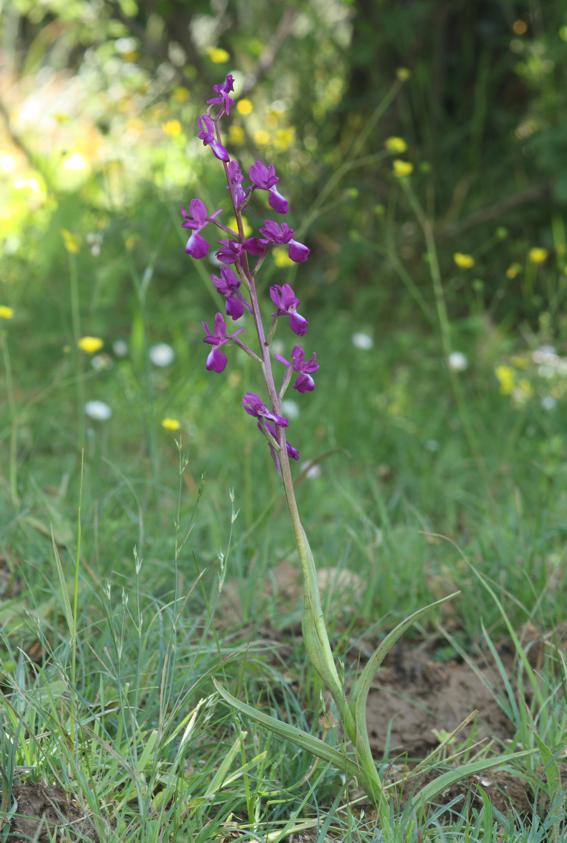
(117, 703)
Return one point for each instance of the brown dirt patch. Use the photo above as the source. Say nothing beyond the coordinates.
(46, 812)
(414, 697)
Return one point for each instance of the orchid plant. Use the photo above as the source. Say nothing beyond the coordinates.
(241, 258)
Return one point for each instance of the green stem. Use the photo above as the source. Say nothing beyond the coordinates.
(13, 465)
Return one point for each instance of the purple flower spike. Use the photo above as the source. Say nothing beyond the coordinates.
(305, 368)
(217, 360)
(222, 95)
(235, 179)
(287, 303)
(263, 176)
(228, 286)
(254, 406)
(196, 219)
(207, 135)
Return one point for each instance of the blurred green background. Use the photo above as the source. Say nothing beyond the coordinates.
(436, 298)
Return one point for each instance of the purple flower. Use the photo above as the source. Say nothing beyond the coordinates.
(217, 360)
(229, 252)
(196, 219)
(287, 303)
(263, 176)
(235, 179)
(292, 452)
(228, 286)
(222, 94)
(255, 246)
(207, 135)
(254, 406)
(304, 382)
(282, 233)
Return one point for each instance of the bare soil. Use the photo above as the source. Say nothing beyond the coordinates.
(44, 813)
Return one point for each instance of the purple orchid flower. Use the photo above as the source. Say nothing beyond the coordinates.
(207, 135)
(304, 382)
(222, 95)
(229, 252)
(235, 179)
(287, 303)
(196, 219)
(255, 246)
(264, 177)
(254, 406)
(281, 234)
(217, 359)
(228, 286)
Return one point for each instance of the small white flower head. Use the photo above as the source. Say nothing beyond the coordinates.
(545, 354)
(120, 348)
(100, 362)
(290, 409)
(98, 411)
(548, 402)
(458, 361)
(162, 354)
(362, 341)
(312, 471)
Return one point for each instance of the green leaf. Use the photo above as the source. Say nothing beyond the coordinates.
(442, 782)
(310, 743)
(361, 687)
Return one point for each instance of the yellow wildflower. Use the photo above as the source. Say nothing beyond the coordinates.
(244, 107)
(281, 257)
(236, 135)
(6, 312)
(513, 271)
(70, 241)
(401, 168)
(245, 226)
(395, 144)
(262, 137)
(180, 94)
(170, 424)
(284, 138)
(538, 255)
(463, 261)
(403, 74)
(172, 128)
(217, 55)
(90, 345)
(505, 376)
